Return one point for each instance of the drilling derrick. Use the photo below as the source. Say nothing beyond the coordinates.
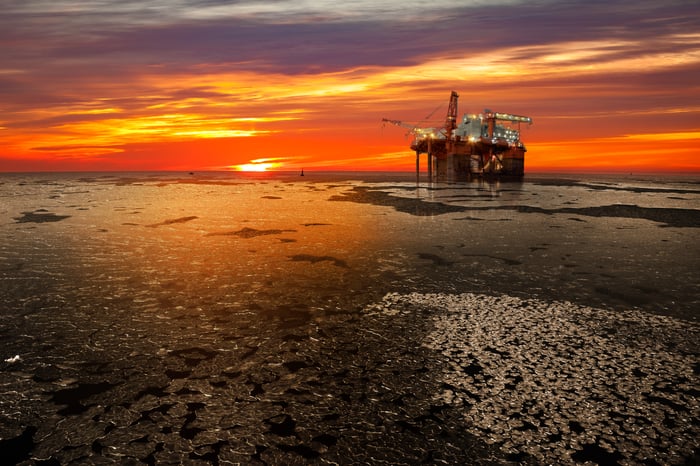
(451, 120)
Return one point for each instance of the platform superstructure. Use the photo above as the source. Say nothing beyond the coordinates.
(479, 144)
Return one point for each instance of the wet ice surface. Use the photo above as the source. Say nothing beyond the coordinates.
(158, 319)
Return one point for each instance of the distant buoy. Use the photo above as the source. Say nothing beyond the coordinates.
(302, 172)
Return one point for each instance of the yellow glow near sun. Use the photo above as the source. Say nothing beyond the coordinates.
(258, 165)
(254, 167)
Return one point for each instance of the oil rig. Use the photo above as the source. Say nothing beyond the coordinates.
(487, 144)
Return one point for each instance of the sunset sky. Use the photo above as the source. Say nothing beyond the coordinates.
(211, 84)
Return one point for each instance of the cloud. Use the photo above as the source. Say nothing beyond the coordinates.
(296, 37)
(100, 74)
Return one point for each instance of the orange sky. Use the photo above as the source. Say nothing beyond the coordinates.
(195, 85)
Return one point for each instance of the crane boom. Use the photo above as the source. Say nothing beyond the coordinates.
(417, 131)
(509, 117)
(398, 123)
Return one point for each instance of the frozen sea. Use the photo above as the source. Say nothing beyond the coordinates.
(348, 318)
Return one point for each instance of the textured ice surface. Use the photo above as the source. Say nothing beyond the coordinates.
(163, 319)
(565, 383)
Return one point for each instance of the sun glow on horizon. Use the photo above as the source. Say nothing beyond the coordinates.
(258, 165)
(254, 167)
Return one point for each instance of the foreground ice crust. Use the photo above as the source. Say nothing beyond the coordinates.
(561, 382)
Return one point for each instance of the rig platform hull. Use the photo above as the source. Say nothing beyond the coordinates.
(465, 159)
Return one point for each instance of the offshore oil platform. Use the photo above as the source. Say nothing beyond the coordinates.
(487, 144)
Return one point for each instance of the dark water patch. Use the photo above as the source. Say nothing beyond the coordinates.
(418, 207)
(218, 383)
(669, 217)
(186, 391)
(635, 299)
(678, 218)
(295, 392)
(282, 425)
(614, 187)
(257, 389)
(437, 260)
(174, 375)
(251, 351)
(316, 224)
(153, 414)
(463, 197)
(596, 454)
(18, 449)
(186, 431)
(288, 316)
(74, 397)
(270, 197)
(519, 458)
(295, 337)
(92, 366)
(173, 221)
(469, 217)
(209, 453)
(250, 233)
(158, 392)
(576, 427)
(473, 369)
(40, 216)
(194, 356)
(295, 366)
(231, 374)
(301, 449)
(316, 259)
(326, 439)
(665, 401)
(647, 289)
(576, 219)
(287, 240)
(257, 456)
(47, 373)
(504, 259)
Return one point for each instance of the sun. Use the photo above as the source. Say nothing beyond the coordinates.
(253, 167)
